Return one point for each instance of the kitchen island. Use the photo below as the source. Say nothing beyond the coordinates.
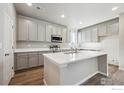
(73, 68)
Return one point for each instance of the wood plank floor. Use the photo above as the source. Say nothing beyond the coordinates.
(34, 76)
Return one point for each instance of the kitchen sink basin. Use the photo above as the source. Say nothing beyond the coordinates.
(71, 52)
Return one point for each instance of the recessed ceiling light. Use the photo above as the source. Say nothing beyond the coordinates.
(80, 23)
(62, 16)
(114, 8)
(29, 4)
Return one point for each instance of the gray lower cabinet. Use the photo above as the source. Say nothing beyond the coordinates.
(21, 61)
(33, 59)
(27, 60)
(41, 59)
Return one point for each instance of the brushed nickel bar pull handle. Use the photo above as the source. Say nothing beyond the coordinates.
(6, 54)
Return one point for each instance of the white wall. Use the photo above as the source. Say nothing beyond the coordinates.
(10, 10)
(121, 41)
(1, 45)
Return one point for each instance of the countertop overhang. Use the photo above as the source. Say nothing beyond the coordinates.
(62, 59)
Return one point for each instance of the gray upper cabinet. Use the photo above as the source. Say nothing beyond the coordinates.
(48, 32)
(83, 36)
(41, 31)
(32, 28)
(53, 30)
(113, 27)
(79, 37)
(22, 34)
(102, 29)
(59, 30)
(94, 34)
(56, 30)
(88, 35)
(64, 35)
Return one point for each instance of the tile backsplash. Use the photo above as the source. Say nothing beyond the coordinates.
(39, 45)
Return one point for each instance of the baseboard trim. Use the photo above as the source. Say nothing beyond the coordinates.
(44, 81)
(113, 64)
(103, 73)
(120, 68)
(82, 81)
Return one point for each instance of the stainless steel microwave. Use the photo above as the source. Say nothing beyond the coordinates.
(56, 38)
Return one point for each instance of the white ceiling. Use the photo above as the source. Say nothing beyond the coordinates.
(87, 13)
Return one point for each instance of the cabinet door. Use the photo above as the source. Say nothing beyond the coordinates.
(22, 61)
(68, 40)
(33, 59)
(58, 30)
(48, 33)
(94, 35)
(64, 35)
(54, 31)
(22, 27)
(102, 29)
(83, 36)
(41, 31)
(41, 59)
(32, 28)
(79, 37)
(88, 35)
(113, 27)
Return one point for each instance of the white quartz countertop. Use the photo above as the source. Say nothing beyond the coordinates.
(19, 50)
(61, 58)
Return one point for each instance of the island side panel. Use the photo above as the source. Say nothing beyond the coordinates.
(102, 65)
(51, 72)
(78, 72)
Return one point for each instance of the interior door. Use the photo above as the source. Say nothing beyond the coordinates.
(8, 49)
